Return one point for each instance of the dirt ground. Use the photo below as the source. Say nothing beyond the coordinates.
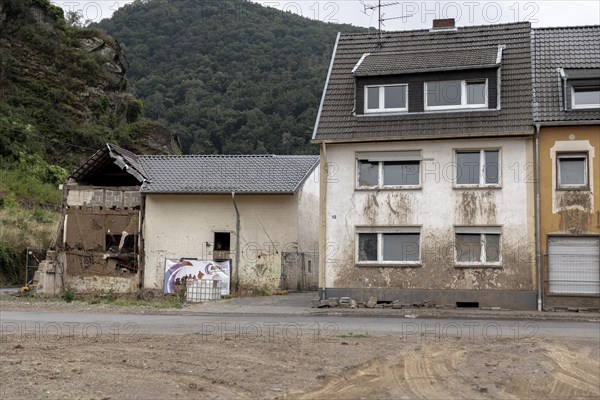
(307, 367)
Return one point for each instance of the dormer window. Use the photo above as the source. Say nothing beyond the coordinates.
(386, 98)
(581, 88)
(583, 97)
(447, 95)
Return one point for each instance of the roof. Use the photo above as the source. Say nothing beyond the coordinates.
(214, 174)
(336, 121)
(574, 49)
(107, 157)
(395, 63)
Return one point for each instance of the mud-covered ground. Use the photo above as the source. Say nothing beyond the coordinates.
(308, 367)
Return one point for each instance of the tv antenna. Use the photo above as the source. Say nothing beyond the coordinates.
(382, 18)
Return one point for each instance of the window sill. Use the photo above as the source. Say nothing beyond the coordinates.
(573, 189)
(386, 188)
(427, 112)
(388, 265)
(476, 187)
(476, 265)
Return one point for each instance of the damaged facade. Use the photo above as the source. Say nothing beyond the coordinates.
(426, 139)
(566, 67)
(124, 215)
(96, 248)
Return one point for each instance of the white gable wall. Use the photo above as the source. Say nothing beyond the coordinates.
(179, 226)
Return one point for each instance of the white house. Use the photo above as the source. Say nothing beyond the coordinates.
(426, 150)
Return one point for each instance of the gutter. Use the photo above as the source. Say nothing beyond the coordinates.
(237, 243)
(538, 232)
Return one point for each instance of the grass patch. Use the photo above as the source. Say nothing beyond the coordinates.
(351, 335)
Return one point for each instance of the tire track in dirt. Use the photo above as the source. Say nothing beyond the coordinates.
(453, 371)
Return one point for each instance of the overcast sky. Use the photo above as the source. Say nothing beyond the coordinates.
(418, 14)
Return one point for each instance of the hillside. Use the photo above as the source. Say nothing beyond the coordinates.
(229, 76)
(63, 94)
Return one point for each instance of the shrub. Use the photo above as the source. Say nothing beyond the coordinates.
(68, 294)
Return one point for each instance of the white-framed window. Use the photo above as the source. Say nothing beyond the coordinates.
(478, 246)
(386, 98)
(477, 168)
(572, 170)
(448, 95)
(388, 246)
(583, 97)
(393, 170)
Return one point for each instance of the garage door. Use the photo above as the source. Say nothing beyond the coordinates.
(574, 265)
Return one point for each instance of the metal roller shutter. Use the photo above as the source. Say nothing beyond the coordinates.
(574, 265)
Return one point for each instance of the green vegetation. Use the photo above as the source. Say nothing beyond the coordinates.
(68, 294)
(351, 335)
(230, 76)
(59, 102)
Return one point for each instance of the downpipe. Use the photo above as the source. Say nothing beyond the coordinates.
(237, 243)
(538, 238)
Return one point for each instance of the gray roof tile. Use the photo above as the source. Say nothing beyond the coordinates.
(379, 63)
(337, 123)
(568, 48)
(225, 174)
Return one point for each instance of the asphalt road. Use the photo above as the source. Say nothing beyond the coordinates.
(253, 326)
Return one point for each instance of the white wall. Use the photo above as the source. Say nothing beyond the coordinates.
(437, 207)
(308, 214)
(179, 226)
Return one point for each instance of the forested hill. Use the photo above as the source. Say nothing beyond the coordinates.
(229, 76)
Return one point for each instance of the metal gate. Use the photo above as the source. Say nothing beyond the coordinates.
(574, 265)
(299, 271)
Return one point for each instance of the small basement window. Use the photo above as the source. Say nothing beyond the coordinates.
(386, 98)
(447, 95)
(583, 97)
(222, 241)
(572, 171)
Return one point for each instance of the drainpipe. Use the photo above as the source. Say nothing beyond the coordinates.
(538, 232)
(237, 243)
(323, 219)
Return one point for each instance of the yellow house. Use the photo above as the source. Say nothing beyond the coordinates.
(566, 74)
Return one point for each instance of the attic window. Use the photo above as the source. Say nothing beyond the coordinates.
(386, 98)
(445, 95)
(581, 88)
(583, 97)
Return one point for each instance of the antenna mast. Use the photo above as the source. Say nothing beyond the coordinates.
(382, 18)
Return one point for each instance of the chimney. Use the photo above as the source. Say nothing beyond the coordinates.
(447, 23)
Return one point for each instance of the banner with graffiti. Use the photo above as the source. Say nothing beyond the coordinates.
(177, 271)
